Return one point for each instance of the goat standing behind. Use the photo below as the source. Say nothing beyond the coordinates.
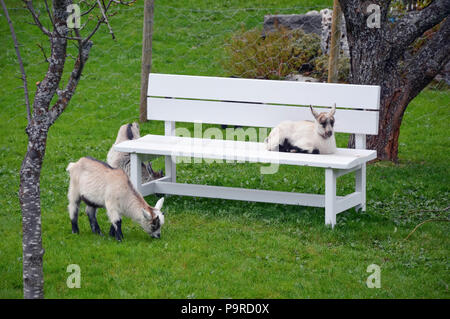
(122, 160)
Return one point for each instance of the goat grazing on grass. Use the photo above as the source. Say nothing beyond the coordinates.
(122, 160)
(305, 136)
(99, 185)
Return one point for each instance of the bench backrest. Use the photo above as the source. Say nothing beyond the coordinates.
(260, 103)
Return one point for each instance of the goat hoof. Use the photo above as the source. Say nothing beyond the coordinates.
(112, 231)
(75, 229)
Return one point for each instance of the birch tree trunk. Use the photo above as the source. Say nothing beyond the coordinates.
(30, 202)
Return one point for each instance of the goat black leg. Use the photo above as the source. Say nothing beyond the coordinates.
(116, 230)
(119, 234)
(74, 206)
(75, 229)
(92, 214)
(112, 231)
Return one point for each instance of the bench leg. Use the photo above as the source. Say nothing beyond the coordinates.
(330, 197)
(170, 164)
(171, 169)
(136, 171)
(360, 186)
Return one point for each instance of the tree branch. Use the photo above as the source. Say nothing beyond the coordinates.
(105, 17)
(415, 23)
(58, 46)
(126, 3)
(84, 47)
(43, 52)
(35, 16)
(65, 96)
(89, 10)
(48, 12)
(99, 22)
(426, 221)
(19, 58)
(430, 59)
(54, 25)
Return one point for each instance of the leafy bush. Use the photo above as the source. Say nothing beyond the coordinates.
(321, 68)
(279, 53)
(305, 48)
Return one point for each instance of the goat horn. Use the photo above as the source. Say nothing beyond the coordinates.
(333, 109)
(314, 113)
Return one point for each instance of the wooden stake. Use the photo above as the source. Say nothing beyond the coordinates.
(335, 43)
(146, 57)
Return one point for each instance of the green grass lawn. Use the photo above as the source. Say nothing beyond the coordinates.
(216, 248)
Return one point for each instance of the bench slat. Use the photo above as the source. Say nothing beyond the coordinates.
(240, 151)
(235, 193)
(259, 115)
(264, 91)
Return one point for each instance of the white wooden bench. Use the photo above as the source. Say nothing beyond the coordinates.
(255, 103)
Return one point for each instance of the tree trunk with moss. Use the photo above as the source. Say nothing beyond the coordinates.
(385, 56)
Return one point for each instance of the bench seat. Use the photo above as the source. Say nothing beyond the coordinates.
(254, 152)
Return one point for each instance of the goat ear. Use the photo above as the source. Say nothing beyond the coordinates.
(146, 214)
(333, 110)
(314, 113)
(159, 203)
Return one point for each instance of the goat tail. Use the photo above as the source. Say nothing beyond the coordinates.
(69, 167)
(273, 140)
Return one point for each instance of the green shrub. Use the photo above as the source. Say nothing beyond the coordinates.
(305, 47)
(321, 68)
(278, 54)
